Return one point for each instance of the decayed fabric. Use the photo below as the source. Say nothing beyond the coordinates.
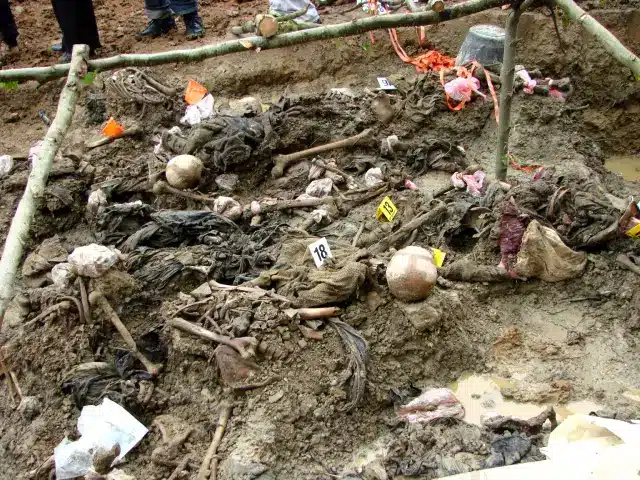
(295, 275)
(543, 255)
(226, 142)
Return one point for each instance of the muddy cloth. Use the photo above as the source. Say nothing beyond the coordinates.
(77, 21)
(155, 267)
(227, 142)
(436, 155)
(452, 447)
(89, 383)
(295, 275)
(178, 227)
(357, 351)
(579, 210)
(543, 255)
(508, 450)
(8, 28)
(422, 99)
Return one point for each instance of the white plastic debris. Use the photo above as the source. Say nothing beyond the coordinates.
(101, 426)
(202, 110)
(227, 181)
(116, 474)
(529, 84)
(319, 215)
(227, 207)
(373, 177)
(290, 6)
(92, 260)
(97, 201)
(6, 165)
(320, 188)
(246, 105)
(62, 274)
(432, 405)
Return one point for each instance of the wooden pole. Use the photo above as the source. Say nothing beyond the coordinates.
(34, 191)
(354, 27)
(608, 41)
(507, 75)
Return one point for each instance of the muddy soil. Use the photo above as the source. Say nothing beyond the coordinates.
(566, 344)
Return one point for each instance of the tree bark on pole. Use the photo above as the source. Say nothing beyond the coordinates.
(354, 27)
(506, 91)
(34, 191)
(608, 41)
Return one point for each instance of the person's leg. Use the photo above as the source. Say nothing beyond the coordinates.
(160, 18)
(188, 10)
(8, 29)
(77, 21)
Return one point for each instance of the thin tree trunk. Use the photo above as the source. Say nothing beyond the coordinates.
(506, 91)
(610, 43)
(34, 191)
(354, 27)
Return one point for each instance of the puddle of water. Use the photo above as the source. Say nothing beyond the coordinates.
(480, 394)
(626, 165)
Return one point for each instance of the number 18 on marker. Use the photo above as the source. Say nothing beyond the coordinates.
(320, 251)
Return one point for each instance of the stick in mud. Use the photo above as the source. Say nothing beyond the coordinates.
(245, 345)
(406, 229)
(282, 162)
(313, 313)
(34, 191)
(507, 75)
(97, 299)
(129, 132)
(209, 468)
(162, 187)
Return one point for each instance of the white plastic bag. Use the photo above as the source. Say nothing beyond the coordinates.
(92, 260)
(97, 201)
(227, 207)
(290, 6)
(320, 188)
(373, 177)
(202, 110)
(101, 426)
(62, 274)
(6, 165)
(529, 84)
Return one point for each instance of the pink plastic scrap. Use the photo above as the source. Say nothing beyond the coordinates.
(410, 185)
(528, 82)
(474, 183)
(431, 405)
(460, 89)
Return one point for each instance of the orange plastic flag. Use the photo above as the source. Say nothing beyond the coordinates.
(112, 129)
(194, 93)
